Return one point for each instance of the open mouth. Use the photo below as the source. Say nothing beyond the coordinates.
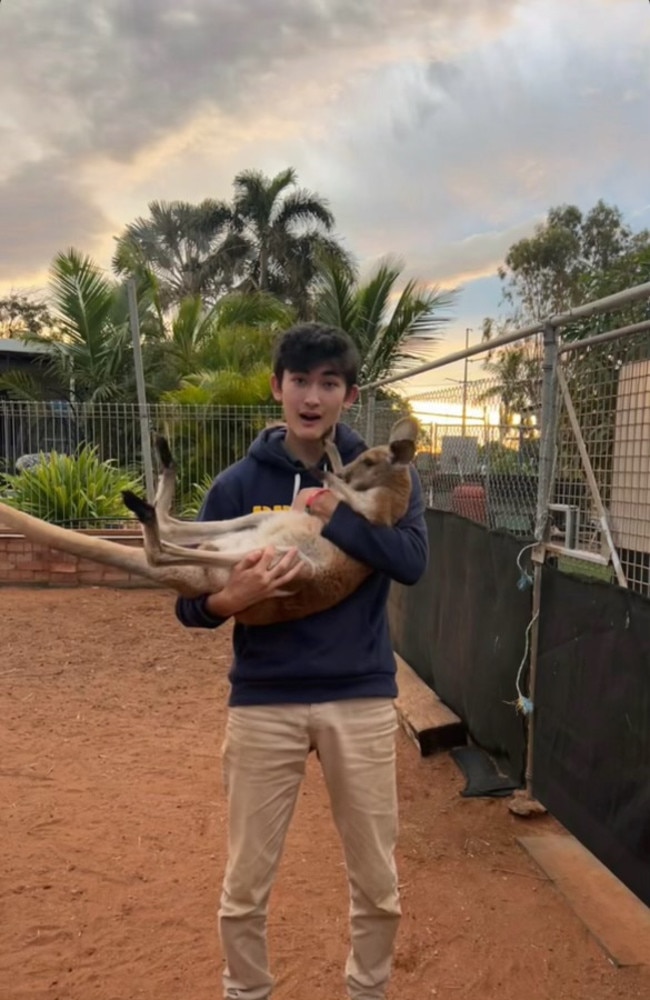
(310, 418)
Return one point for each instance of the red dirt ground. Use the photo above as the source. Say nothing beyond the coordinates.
(113, 824)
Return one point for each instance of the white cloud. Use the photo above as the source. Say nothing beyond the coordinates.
(439, 133)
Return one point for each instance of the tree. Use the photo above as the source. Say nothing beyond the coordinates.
(225, 387)
(189, 249)
(389, 325)
(572, 259)
(555, 269)
(287, 232)
(21, 315)
(220, 357)
(229, 338)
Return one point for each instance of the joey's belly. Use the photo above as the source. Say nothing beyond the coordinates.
(286, 530)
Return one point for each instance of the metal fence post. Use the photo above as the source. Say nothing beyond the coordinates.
(370, 418)
(548, 430)
(145, 432)
(548, 446)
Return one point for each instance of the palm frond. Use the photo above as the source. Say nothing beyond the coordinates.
(281, 181)
(27, 386)
(337, 303)
(374, 301)
(82, 295)
(303, 207)
(225, 387)
(384, 334)
(420, 313)
(253, 309)
(239, 347)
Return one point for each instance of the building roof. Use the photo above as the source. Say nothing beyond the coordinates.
(12, 345)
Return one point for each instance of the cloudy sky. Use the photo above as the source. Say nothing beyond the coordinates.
(440, 131)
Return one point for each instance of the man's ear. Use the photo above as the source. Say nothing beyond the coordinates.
(276, 388)
(351, 397)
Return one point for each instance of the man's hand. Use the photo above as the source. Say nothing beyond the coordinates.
(322, 506)
(259, 575)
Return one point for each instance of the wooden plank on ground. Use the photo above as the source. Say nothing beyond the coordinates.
(424, 717)
(616, 918)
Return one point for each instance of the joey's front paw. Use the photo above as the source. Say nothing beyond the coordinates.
(317, 473)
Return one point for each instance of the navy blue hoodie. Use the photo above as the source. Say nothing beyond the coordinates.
(344, 652)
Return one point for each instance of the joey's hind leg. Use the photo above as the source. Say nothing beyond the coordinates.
(146, 515)
(225, 558)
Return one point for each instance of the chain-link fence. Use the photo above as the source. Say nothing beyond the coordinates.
(553, 445)
(602, 464)
(68, 463)
(479, 456)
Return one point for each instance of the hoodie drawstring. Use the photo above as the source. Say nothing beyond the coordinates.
(297, 483)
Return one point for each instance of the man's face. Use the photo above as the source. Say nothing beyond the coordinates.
(312, 401)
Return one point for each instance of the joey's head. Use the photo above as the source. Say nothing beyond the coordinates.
(383, 465)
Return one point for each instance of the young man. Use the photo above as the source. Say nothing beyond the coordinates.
(324, 683)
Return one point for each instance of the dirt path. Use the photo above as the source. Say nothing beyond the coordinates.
(112, 821)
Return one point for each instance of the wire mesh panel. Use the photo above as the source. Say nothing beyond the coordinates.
(68, 464)
(602, 474)
(479, 449)
(486, 464)
(478, 453)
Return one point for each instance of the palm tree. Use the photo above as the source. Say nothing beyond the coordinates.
(89, 346)
(286, 231)
(189, 249)
(307, 257)
(89, 360)
(229, 338)
(389, 326)
(517, 386)
(221, 357)
(224, 387)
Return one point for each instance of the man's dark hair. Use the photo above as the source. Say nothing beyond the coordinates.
(308, 345)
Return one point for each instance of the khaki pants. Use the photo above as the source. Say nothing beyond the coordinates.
(264, 754)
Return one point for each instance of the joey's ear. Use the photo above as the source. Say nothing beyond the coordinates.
(406, 428)
(402, 440)
(333, 455)
(402, 452)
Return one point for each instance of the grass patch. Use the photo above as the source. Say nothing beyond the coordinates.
(586, 570)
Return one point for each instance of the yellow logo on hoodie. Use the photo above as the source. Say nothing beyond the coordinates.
(277, 508)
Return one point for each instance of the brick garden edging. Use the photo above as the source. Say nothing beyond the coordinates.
(23, 563)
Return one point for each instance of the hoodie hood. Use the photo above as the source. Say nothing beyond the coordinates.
(268, 448)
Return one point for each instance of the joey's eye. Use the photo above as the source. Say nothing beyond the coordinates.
(368, 462)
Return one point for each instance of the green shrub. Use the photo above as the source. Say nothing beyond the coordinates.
(73, 490)
(192, 503)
